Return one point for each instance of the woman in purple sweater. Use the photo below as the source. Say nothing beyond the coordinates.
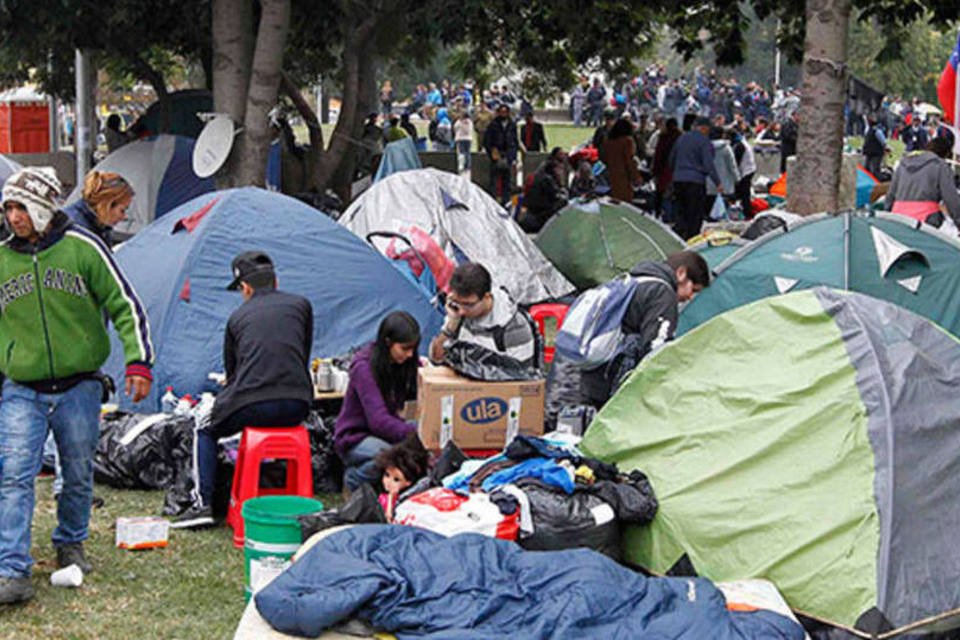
(383, 376)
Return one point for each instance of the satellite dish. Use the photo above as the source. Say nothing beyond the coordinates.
(213, 146)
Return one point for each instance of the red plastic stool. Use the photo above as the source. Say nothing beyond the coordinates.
(268, 443)
(540, 313)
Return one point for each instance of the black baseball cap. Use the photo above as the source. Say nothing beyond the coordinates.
(247, 264)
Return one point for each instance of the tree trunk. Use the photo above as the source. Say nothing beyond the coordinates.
(324, 105)
(232, 54)
(159, 84)
(814, 185)
(338, 162)
(311, 157)
(254, 142)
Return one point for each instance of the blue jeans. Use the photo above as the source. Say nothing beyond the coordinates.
(268, 413)
(25, 418)
(463, 155)
(360, 467)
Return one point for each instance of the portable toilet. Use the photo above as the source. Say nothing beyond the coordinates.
(24, 121)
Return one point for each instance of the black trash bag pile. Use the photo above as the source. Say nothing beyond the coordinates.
(592, 517)
(565, 522)
(137, 451)
(603, 500)
(478, 363)
(327, 467)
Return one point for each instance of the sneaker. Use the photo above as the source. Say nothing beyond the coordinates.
(69, 554)
(15, 590)
(195, 517)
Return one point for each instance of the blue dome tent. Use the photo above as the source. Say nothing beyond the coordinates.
(180, 268)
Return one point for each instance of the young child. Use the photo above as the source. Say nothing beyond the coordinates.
(401, 466)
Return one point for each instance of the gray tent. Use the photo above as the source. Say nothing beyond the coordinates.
(467, 224)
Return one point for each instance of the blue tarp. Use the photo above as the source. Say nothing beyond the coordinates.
(181, 275)
(399, 155)
(419, 584)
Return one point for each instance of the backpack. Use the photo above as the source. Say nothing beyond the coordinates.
(592, 332)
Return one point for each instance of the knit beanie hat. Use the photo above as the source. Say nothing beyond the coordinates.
(37, 189)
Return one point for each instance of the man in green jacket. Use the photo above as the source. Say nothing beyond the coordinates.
(56, 282)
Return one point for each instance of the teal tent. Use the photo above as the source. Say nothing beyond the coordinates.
(887, 256)
(866, 181)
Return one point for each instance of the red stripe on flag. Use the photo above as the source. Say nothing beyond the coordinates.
(945, 92)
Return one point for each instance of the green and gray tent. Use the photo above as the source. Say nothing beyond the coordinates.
(887, 256)
(811, 439)
(593, 241)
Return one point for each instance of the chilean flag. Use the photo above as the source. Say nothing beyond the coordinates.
(947, 89)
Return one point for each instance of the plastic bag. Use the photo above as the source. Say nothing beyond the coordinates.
(562, 521)
(719, 209)
(478, 363)
(448, 513)
(137, 451)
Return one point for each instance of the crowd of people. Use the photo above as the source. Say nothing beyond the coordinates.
(705, 94)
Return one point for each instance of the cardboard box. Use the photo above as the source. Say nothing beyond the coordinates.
(148, 532)
(476, 414)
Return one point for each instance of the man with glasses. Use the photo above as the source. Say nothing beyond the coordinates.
(477, 314)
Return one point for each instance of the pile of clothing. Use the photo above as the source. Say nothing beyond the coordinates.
(540, 492)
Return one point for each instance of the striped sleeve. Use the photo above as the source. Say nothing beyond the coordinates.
(115, 293)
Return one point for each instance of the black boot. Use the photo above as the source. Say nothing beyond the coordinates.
(69, 554)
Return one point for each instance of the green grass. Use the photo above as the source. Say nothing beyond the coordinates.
(191, 589)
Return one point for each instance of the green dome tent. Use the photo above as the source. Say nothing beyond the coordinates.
(887, 256)
(810, 439)
(593, 241)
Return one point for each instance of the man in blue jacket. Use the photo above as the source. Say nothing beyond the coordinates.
(692, 163)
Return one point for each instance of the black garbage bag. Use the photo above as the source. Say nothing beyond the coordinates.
(478, 363)
(591, 517)
(449, 461)
(327, 467)
(631, 497)
(762, 225)
(138, 451)
(562, 521)
(362, 507)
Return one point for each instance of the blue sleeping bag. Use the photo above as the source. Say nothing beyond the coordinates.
(419, 584)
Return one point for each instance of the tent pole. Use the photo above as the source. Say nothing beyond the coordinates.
(85, 129)
(956, 112)
(846, 250)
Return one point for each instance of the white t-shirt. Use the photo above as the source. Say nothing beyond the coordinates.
(463, 130)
